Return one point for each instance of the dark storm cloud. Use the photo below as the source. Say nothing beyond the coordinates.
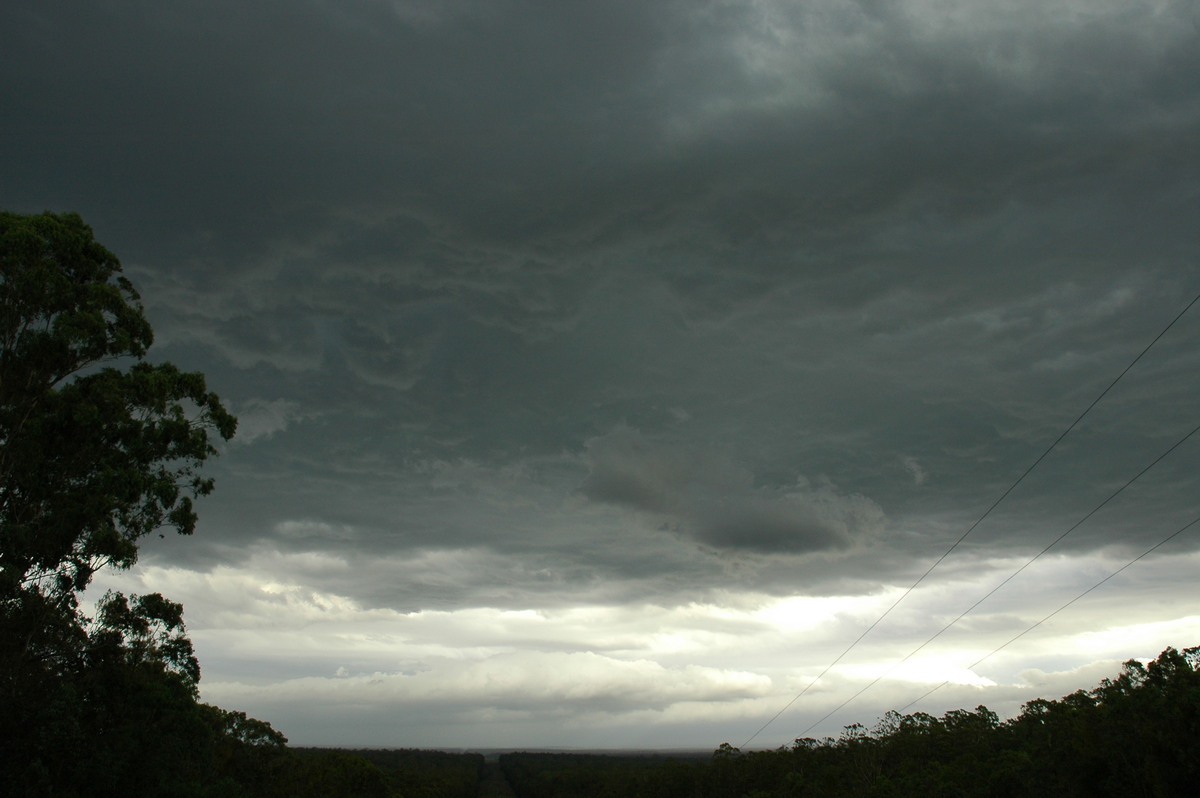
(715, 500)
(236, 118)
(836, 245)
(538, 119)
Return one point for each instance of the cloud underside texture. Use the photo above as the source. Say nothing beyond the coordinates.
(545, 305)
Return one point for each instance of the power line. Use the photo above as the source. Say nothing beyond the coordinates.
(973, 526)
(1008, 579)
(1030, 628)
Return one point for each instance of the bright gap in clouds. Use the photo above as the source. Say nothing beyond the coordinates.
(700, 672)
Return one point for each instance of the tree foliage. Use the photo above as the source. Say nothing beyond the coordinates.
(98, 448)
(92, 456)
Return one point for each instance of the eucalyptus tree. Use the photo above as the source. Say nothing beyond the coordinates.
(99, 447)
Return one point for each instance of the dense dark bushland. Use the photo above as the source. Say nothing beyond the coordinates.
(541, 775)
(415, 773)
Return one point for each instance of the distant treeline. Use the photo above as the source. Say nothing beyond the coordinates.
(1135, 735)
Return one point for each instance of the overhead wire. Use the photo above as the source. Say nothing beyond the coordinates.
(1033, 626)
(1008, 579)
(973, 526)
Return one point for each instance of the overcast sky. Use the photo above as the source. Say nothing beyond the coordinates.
(605, 369)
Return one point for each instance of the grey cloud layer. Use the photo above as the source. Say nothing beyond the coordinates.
(717, 502)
